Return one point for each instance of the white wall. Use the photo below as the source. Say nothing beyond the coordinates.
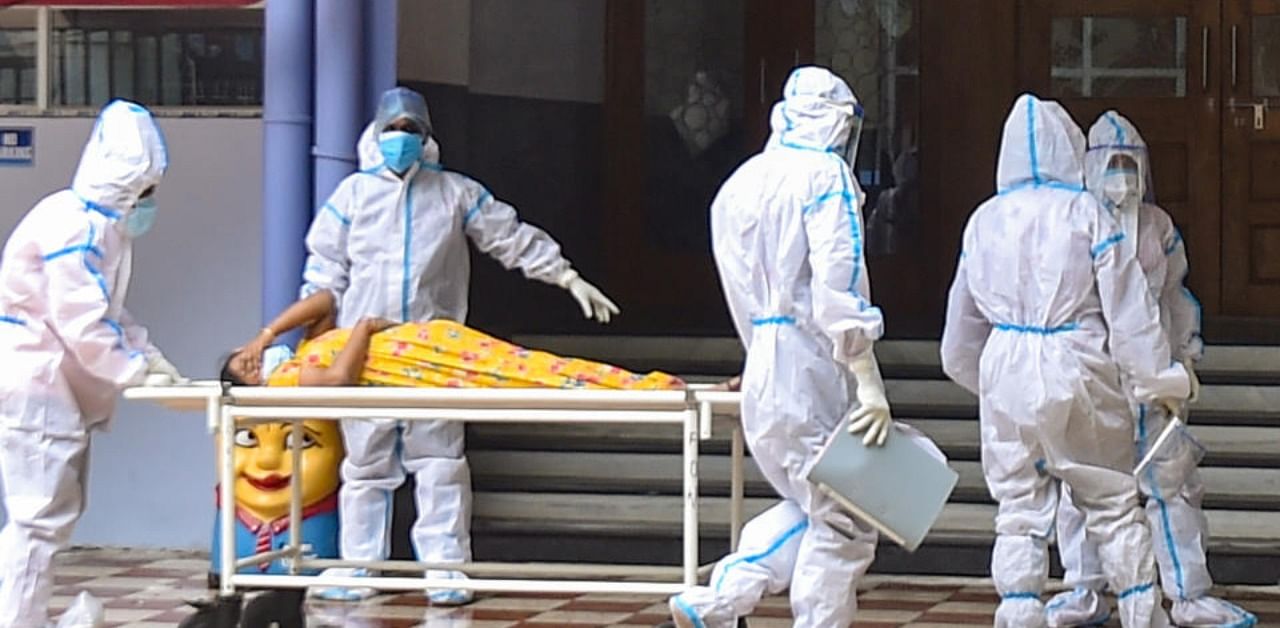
(433, 41)
(196, 286)
(542, 49)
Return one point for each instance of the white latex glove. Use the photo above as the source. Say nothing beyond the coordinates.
(157, 365)
(593, 302)
(1173, 407)
(1195, 381)
(872, 414)
(154, 380)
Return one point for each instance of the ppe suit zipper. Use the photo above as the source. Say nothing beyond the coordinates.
(405, 198)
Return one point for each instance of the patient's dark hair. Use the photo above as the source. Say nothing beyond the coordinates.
(226, 375)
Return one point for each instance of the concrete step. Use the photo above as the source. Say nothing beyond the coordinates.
(1219, 405)
(1240, 532)
(620, 484)
(1221, 363)
(649, 474)
(898, 358)
(1226, 445)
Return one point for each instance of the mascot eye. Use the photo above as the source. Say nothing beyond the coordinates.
(246, 438)
(307, 441)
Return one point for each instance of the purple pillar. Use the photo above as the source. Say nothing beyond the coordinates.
(380, 20)
(286, 121)
(339, 94)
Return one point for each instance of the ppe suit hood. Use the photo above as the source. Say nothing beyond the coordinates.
(816, 111)
(1113, 134)
(371, 158)
(402, 103)
(1042, 147)
(124, 156)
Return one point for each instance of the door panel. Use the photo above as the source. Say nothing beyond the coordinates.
(1251, 158)
(875, 48)
(1153, 61)
(688, 91)
(676, 125)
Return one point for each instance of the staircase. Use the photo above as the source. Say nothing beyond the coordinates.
(612, 493)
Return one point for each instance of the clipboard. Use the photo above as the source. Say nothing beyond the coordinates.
(1168, 436)
(899, 488)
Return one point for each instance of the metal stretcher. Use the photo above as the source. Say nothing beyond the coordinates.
(227, 407)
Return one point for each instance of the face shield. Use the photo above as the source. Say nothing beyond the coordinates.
(1122, 182)
(1119, 176)
(405, 110)
(850, 150)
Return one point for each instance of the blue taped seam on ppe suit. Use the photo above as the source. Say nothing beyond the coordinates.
(69, 347)
(396, 247)
(1173, 482)
(790, 262)
(1055, 397)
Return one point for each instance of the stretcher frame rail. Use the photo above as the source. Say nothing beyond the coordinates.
(227, 407)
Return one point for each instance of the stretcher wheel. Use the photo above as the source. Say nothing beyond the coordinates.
(281, 608)
(220, 612)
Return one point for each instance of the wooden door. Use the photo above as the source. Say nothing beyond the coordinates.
(687, 90)
(658, 193)
(875, 47)
(1251, 158)
(1155, 62)
(780, 38)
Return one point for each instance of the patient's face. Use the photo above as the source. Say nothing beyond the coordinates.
(247, 367)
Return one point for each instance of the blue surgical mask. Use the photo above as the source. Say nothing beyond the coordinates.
(140, 220)
(273, 357)
(400, 149)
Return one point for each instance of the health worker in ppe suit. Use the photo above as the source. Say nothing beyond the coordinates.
(391, 242)
(1118, 173)
(788, 242)
(69, 345)
(1041, 291)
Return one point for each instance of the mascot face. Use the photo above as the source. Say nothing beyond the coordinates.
(264, 465)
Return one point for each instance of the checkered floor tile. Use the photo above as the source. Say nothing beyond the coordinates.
(146, 589)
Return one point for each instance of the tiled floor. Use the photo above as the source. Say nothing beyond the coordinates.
(148, 589)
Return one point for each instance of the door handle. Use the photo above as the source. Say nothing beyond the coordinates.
(1259, 109)
(1204, 58)
(1235, 56)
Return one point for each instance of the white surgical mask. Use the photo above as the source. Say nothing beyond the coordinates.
(273, 357)
(1121, 188)
(1123, 192)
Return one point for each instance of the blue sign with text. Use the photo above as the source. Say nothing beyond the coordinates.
(17, 146)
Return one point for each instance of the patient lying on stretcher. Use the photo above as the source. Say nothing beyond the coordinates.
(434, 354)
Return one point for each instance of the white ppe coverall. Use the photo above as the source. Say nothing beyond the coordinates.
(69, 346)
(1039, 283)
(788, 242)
(396, 248)
(1172, 483)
